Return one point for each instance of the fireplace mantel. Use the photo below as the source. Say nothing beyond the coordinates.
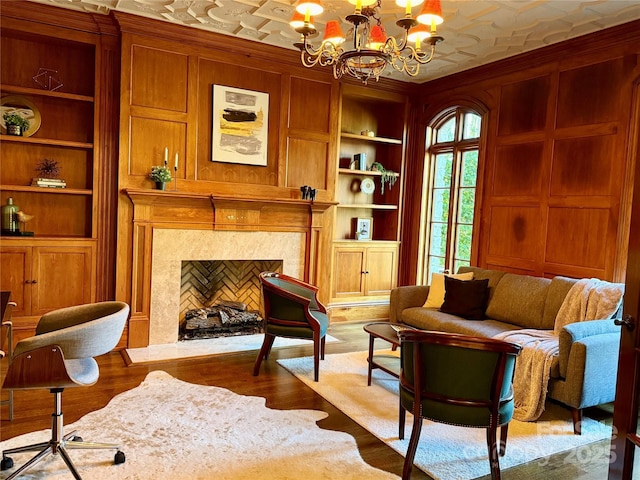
(178, 210)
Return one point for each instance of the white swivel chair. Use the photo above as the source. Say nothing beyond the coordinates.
(60, 356)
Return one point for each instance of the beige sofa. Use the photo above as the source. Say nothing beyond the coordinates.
(583, 374)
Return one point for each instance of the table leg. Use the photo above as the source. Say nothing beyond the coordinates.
(370, 359)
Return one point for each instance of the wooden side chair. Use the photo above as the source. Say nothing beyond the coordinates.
(60, 355)
(459, 380)
(6, 342)
(292, 310)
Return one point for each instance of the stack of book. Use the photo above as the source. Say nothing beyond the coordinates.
(48, 182)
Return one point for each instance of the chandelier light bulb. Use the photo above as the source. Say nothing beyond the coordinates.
(408, 4)
(431, 14)
(309, 8)
(362, 3)
(418, 34)
(297, 20)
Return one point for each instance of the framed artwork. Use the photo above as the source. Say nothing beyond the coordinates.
(363, 228)
(23, 107)
(240, 126)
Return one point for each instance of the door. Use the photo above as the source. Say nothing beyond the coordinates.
(61, 278)
(15, 276)
(626, 438)
(382, 270)
(348, 272)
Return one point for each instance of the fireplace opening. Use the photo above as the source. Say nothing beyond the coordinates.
(221, 297)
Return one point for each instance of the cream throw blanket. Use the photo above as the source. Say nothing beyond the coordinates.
(588, 299)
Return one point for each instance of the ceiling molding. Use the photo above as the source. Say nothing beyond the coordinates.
(476, 32)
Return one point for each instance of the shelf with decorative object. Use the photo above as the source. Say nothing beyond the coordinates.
(45, 141)
(365, 261)
(372, 173)
(365, 138)
(54, 190)
(53, 87)
(15, 89)
(369, 205)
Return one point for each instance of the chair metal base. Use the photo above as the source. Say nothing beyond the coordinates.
(59, 444)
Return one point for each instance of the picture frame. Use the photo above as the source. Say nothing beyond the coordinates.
(363, 229)
(23, 107)
(240, 126)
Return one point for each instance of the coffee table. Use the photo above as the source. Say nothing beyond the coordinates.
(386, 363)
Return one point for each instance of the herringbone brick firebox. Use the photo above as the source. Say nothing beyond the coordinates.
(205, 282)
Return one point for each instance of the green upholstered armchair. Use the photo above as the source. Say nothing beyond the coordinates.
(60, 355)
(292, 310)
(459, 380)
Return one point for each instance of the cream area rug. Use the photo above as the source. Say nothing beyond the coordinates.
(444, 451)
(209, 346)
(170, 429)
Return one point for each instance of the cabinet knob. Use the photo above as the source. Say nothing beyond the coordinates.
(364, 272)
(31, 281)
(36, 281)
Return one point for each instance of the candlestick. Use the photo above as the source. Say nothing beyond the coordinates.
(175, 175)
(166, 155)
(176, 164)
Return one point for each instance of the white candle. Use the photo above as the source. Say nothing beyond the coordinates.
(176, 164)
(166, 155)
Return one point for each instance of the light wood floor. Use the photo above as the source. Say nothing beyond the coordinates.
(282, 391)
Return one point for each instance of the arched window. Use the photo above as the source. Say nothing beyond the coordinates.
(451, 163)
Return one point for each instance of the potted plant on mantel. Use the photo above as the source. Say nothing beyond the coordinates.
(16, 124)
(161, 175)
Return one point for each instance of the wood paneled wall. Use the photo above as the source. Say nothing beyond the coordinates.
(554, 182)
(166, 101)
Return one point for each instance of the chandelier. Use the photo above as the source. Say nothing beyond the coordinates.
(372, 49)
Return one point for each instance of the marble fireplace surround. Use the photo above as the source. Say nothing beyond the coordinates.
(172, 246)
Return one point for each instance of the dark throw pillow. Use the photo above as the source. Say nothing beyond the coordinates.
(465, 298)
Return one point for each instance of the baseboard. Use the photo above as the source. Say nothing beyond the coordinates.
(354, 312)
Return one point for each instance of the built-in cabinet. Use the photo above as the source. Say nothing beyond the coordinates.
(50, 74)
(45, 277)
(366, 238)
(363, 271)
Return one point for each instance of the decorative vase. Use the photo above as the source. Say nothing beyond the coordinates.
(161, 185)
(9, 217)
(14, 130)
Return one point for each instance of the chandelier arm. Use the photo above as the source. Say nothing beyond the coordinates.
(325, 55)
(424, 57)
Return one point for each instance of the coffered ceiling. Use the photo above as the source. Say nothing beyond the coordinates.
(476, 32)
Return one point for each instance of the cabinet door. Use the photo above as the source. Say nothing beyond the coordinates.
(15, 272)
(61, 278)
(348, 271)
(382, 268)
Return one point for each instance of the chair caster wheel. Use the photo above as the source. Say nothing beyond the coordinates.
(119, 458)
(6, 464)
(76, 438)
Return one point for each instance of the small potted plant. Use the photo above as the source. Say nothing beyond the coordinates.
(16, 124)
(161, 175)
(387, 176)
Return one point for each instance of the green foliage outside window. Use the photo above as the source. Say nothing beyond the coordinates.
(454, 177)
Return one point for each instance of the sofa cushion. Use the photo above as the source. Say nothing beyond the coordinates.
(467, 299)
(430, 319)
(558, 289)
(494, 276)
(437, 290)
(520, 300)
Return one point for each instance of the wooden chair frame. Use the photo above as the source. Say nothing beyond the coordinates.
(501, 348)
(318, 338)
